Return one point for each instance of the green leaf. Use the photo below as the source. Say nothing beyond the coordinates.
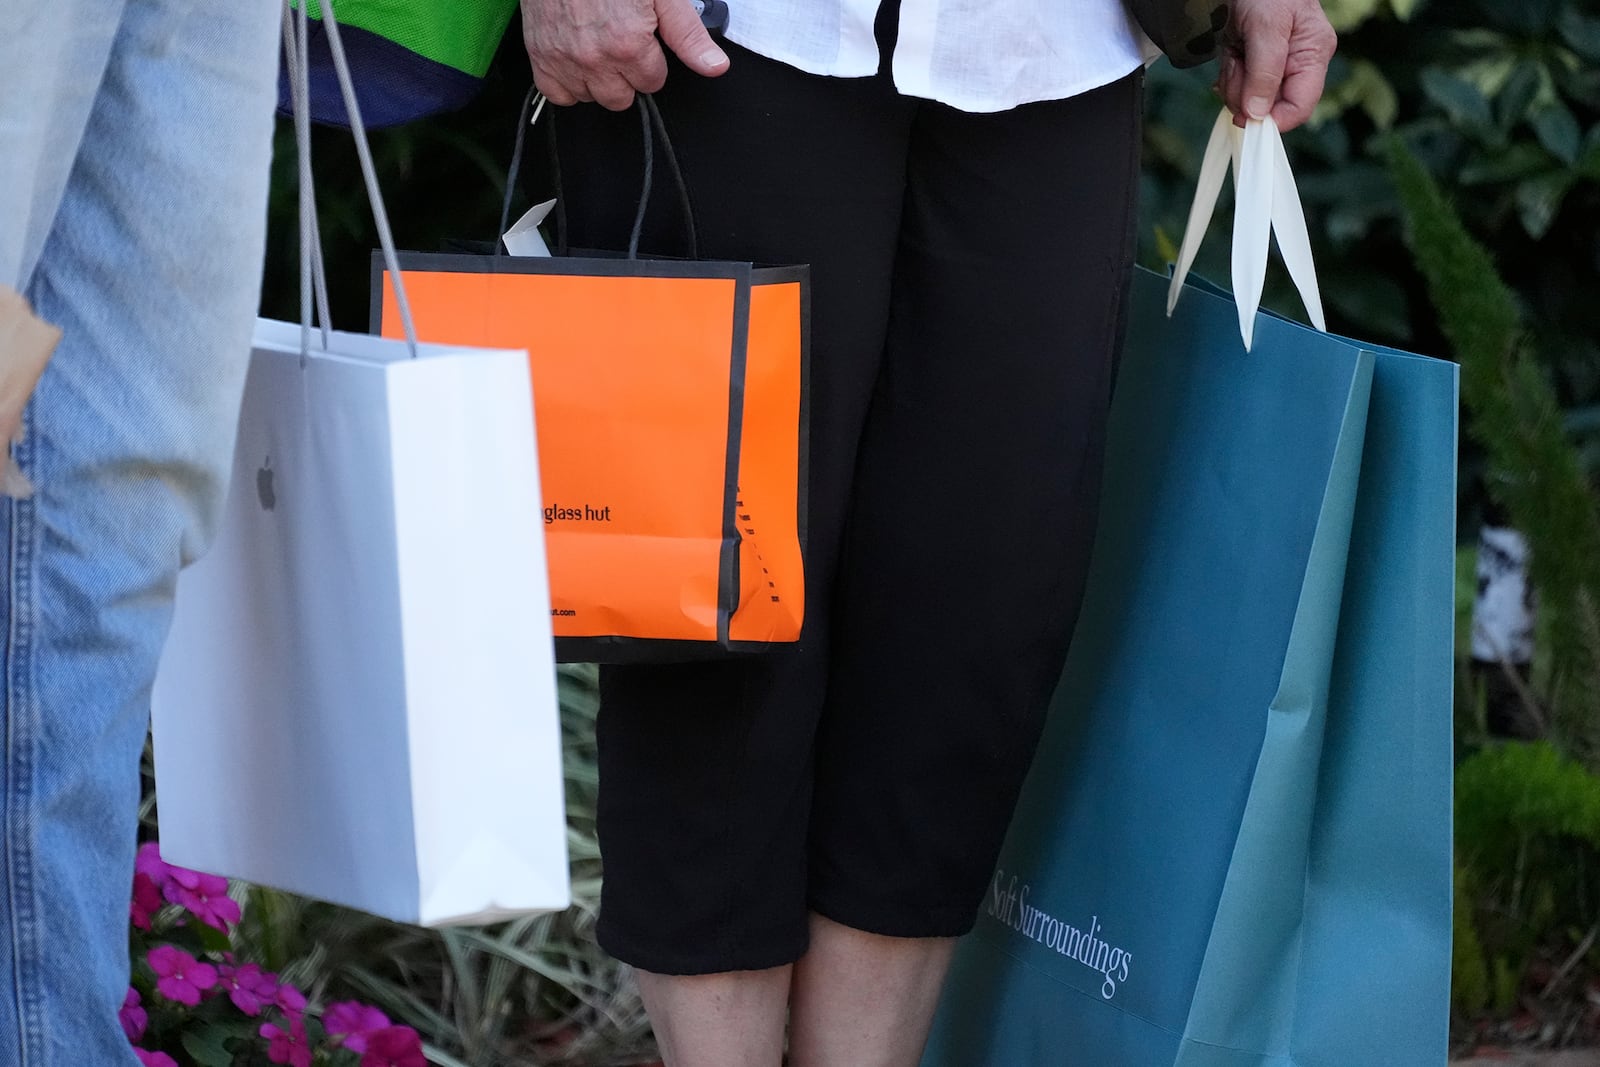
(207, 1047)
(440, 1057)
(1581, 32)
(1363, 86)
(1517, 96)
(1589, 158)
(459, 951)
(1516, 163)
(1558, 131)
(212, 939)
(1460, 99)
(1490, 74)
(1346, 15)
(1539, 199)
(1403, 9)
(1480, 40)
(571, 980)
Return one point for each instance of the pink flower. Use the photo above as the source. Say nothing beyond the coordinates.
(249, 987)
(288, 1046)
(354, 1022)
(397, 1046)
(150, 877)
(290, 1001)
(154, 1059)
(146, 900)
(205, 896)
(150, 864)
(133, 1016)
(179, 976)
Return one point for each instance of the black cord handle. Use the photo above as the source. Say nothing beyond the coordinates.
(653, 128)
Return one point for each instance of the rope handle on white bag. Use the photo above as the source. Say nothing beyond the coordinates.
(311, 259)
(1267, 204)
(312, 272)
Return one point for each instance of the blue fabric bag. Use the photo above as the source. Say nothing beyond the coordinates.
(1234, 848)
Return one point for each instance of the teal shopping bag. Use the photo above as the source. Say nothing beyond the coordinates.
(1234, 848)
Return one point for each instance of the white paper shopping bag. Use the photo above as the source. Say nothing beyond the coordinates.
(357, 701)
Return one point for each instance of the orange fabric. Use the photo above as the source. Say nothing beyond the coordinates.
(631, 395)
(771, 572)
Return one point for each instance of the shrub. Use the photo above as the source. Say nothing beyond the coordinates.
(198, 996)
(1528, 875)
(1533, 467)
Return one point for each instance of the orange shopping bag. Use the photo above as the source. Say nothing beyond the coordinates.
(670, 406)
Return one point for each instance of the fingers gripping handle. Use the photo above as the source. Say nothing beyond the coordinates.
(1267, 204)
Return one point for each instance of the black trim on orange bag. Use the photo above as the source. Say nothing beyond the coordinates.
(728, 565)
(634, 650)
(587, 266)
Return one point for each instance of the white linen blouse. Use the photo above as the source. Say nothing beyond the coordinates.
(975, 55)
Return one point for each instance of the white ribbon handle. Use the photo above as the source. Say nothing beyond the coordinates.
(1267, 204)
(310, 240)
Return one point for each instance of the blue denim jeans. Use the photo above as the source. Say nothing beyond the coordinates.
(135, 140)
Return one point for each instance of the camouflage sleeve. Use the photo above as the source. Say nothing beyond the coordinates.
(1188, 31)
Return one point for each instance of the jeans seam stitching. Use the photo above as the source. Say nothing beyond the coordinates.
(21, 738)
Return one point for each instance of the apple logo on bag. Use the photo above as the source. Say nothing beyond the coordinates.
(264, 487)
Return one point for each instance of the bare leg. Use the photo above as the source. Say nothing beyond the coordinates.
(863, 999)
(718, 1020)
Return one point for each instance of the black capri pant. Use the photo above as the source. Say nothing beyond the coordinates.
(969, 279)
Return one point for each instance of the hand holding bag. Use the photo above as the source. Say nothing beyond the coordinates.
(357, 701)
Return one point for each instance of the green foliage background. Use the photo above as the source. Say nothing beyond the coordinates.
(1527, 880)
(1501, 104)
(1494, 106)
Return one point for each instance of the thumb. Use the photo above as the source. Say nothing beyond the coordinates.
(1266, 56)
(682, 31)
